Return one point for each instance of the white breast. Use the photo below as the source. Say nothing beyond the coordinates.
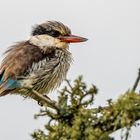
(48, 74)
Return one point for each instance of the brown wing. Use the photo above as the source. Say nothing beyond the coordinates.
(19, 58)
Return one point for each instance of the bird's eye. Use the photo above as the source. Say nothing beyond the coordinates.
(53, 33)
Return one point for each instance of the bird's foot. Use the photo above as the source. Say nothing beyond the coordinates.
(41, 103)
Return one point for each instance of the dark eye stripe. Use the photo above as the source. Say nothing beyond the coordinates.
(41, 30)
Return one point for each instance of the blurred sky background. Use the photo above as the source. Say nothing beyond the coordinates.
(109, 59)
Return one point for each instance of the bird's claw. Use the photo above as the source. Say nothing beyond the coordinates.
(40, 103)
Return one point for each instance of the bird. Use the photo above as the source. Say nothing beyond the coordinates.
(40, 62)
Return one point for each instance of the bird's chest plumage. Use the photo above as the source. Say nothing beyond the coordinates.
(48, 73)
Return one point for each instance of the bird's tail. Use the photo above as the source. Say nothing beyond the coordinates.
(7, 85)
(3, 92)
(2, 84)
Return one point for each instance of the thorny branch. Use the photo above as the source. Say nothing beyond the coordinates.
(136, 82)
(43, 100)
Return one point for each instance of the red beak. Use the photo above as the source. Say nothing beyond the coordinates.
(72, 39)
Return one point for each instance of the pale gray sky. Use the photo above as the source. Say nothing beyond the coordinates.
(109, 59)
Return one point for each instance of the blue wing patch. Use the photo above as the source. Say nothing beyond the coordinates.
(8, 84)
(11, 84)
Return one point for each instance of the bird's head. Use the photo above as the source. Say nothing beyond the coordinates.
(53, 34)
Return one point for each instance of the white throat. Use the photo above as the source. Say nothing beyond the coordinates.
(45, 41)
